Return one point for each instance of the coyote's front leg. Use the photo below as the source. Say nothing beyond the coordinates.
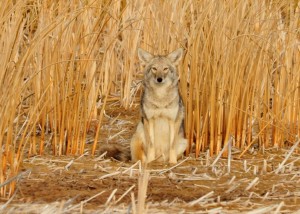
(174, 127)
(174, 130)
(172, 154)
(149, 135)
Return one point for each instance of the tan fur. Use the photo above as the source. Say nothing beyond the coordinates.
(160, 133)
(136, 146)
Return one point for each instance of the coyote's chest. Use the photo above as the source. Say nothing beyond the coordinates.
(162, 107)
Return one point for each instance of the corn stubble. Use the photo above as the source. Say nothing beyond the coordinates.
(61, 61)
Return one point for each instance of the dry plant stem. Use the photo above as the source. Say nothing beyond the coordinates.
(221, 153)
(176, 165)
(125, 193)
(253, 183)
(142, 191)
(201, 199)
(13, 179)
(100, 122)
(82, 203)
(133, 205)
(131, 167)
(253, 141)
(111, 197)
(287, 157)
(229, 156)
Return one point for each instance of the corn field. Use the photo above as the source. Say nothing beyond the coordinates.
(61, 62)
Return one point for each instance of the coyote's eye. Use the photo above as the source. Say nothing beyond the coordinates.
(166, 68)
(154, 69)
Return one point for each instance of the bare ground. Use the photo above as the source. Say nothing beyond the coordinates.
(88, 184)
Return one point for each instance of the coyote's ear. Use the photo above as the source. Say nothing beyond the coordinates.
(175, 56)
(144, 56)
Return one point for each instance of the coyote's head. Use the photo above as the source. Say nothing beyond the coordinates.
(160, 70)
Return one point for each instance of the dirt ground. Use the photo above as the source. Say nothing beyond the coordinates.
(86, 184)
(67, 184)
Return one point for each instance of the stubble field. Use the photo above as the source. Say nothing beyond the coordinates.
(85, 184)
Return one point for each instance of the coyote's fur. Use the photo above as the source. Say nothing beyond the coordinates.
(159, 134)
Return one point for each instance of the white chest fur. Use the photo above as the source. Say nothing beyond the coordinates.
(167, 113)
(161, 102)
(162, 138)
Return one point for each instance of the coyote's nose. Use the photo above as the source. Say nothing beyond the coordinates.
(159, 79)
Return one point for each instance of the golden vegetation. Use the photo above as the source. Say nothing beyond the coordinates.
(60, 61)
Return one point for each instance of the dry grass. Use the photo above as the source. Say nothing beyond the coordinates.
(62, 62)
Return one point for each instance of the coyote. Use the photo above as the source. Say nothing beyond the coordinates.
(160, 134)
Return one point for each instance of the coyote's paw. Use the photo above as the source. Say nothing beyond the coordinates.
(173, 156)
(151, 155)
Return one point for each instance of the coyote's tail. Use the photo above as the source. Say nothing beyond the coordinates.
(116, 151)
